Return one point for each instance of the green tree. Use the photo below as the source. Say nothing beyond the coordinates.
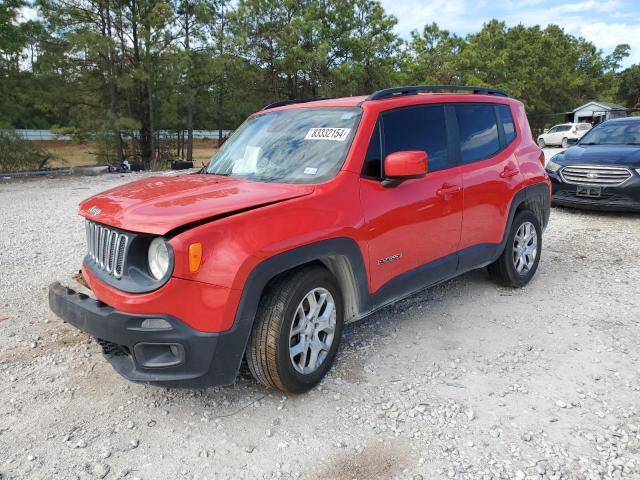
(368, 51)
(549, 70)
(629, 89)
(432, 57)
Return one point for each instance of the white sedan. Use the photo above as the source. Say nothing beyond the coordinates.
(561, 134)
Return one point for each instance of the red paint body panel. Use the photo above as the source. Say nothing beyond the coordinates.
(202, 306)
(412, 220)
(160, 204)
(405, 164)
(423, 219)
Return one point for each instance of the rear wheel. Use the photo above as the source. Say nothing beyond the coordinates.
(542, 143)
(297, 331)
(519, 261)
(565, 142)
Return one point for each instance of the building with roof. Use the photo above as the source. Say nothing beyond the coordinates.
(595, 112)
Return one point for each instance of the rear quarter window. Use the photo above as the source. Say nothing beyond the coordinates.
(478, 131)
(504, 114)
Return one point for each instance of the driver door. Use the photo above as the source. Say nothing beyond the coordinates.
(414, 226)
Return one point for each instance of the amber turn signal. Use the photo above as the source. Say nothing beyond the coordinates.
(195, 256)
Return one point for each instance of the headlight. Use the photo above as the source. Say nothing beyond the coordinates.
(553, 166)
(158, 258)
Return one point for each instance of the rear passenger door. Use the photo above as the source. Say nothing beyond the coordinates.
(417, 222)
(490, 176)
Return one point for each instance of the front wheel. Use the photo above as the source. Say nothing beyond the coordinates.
(542, 143)
(519, 261)
(297, 331)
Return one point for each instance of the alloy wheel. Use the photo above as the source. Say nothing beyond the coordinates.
(312, 330)
(525, 248)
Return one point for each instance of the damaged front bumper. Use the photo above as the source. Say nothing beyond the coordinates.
(157, 349)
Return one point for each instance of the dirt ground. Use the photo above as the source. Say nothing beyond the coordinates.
(466, 380)
(76, 154)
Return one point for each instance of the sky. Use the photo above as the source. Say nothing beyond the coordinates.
(605, 23)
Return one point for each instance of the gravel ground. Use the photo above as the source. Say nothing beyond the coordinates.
(465, 380)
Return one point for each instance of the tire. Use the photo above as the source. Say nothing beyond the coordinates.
(565, 143)
(542, 143)
(513, 269)
(273, 338)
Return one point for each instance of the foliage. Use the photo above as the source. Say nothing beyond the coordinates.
(18, 154)
(124, 70)
(630, 86)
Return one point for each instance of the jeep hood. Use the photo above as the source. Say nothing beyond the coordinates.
(160, 204)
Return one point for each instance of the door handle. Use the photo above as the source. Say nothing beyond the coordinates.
(448, 190)
(509, 172)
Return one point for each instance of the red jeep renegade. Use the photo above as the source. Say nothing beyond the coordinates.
(312, 215)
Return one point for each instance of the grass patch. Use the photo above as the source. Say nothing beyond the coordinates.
(78, 154)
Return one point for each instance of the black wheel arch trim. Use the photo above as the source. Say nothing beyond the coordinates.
(322, 251)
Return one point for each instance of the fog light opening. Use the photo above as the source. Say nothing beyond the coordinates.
(159, 355)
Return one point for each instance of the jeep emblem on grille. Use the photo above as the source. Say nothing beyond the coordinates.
(94, 211)
(592, 175)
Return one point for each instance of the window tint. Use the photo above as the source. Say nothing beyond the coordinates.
(418, 128)
(584, 127)
(478, 131)
(564, 128)
(373, 159)
(504, 113)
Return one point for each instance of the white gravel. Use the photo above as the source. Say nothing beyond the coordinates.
(466, 380)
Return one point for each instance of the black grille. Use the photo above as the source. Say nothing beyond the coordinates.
(110, 348)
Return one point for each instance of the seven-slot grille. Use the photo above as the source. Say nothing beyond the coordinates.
(594, 175)
(107, 247)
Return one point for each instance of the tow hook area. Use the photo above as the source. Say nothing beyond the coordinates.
(79, 277)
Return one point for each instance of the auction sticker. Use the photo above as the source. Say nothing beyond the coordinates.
(335, 134)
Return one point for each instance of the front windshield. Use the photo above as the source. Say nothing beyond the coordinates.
(302, 145)
(613, 134)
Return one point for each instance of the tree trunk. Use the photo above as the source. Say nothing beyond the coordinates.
(113, 94)
(187, 47)
(222, 77)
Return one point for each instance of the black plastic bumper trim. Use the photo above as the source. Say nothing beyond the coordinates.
(210, 359)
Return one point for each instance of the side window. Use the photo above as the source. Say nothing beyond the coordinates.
(373, 160)
(478, 131)
(421, 127)
(553, 130)
(504, 114)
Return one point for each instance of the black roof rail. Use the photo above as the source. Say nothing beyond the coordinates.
(413, 90)
(282, 103)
